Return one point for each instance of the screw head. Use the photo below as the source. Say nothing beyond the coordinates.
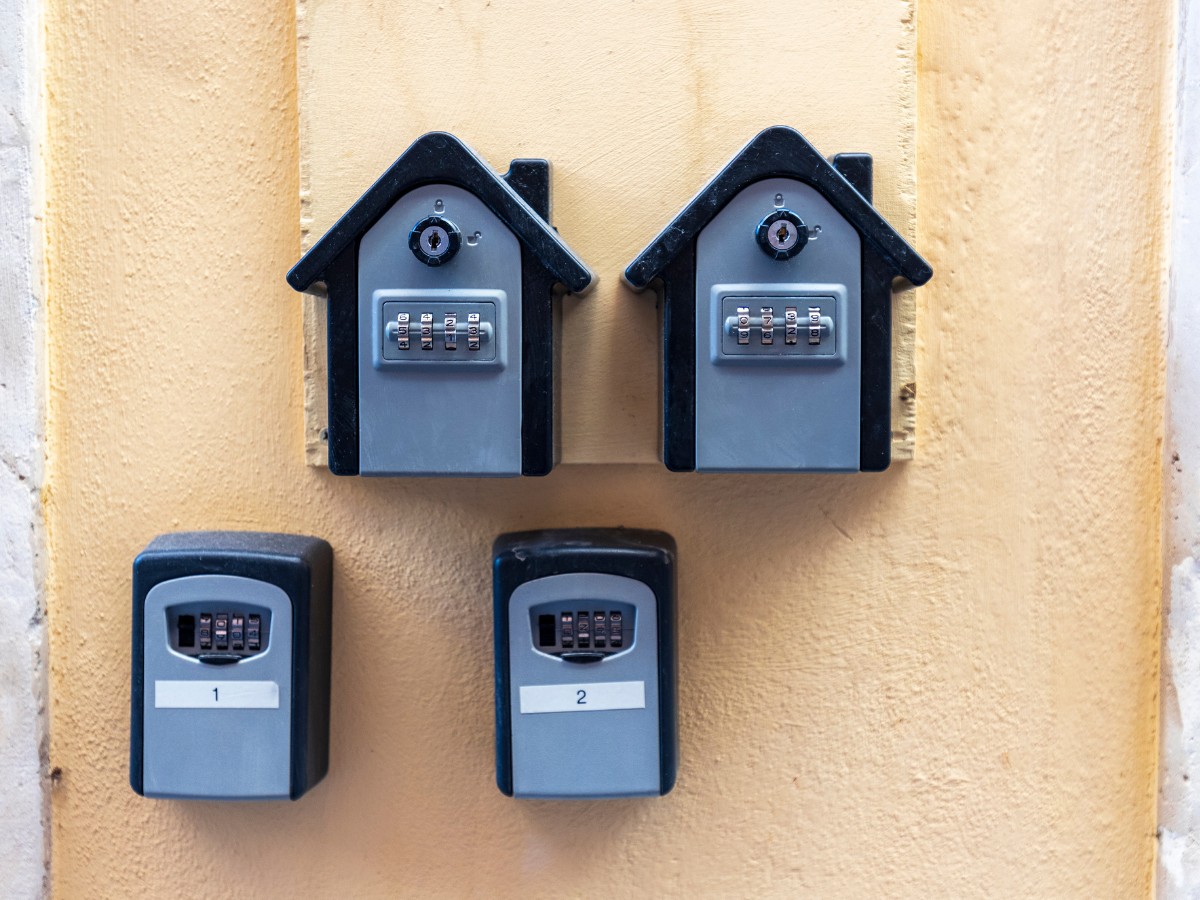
(781, 234)
(434, 240)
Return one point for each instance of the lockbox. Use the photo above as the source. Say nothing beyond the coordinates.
(440, 287)
(776, 284)
(585, 663)
(231, 663)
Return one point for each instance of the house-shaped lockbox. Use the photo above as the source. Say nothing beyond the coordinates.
(441, 283)
(776, 284)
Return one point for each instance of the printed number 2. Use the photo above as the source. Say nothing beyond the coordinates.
(582, 701)
(216, 696)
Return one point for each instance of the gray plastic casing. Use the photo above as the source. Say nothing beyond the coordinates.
(217, 754)
(777, 412)
(595, 754)
(436, 416)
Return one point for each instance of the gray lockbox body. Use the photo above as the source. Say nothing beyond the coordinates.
(580, 748)
(231, 666)
(220, 753)
(777, 407)
(439, 411)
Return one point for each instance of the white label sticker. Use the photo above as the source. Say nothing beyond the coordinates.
(591, 697)
(216, 695)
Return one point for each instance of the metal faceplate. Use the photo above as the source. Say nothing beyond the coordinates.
(439, 408)
(585, 729)
(766, 402)
(198, 743)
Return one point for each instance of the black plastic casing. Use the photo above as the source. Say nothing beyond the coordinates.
(303, 568)
(646, 556)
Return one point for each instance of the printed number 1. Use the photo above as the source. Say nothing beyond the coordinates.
(582, 701)
(216, 696)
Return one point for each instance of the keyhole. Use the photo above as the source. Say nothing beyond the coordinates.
(781, 234)
(435, 240)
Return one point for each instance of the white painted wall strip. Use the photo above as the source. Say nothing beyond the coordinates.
(1179, 769)
(24, 810)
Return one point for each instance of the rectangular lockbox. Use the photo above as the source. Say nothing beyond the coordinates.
(585, 663)
(231, 659)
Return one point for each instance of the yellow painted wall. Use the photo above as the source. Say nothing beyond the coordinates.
(946, 686)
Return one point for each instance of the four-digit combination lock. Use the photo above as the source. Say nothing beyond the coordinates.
(763, 331)
(462, 329)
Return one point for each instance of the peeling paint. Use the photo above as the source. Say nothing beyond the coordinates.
(1179, 845)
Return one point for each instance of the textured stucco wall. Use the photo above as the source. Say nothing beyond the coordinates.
(946, 682)
(23, 785)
